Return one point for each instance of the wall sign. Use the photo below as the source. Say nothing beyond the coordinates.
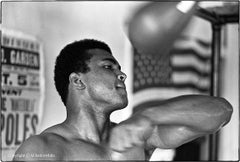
(22, 89)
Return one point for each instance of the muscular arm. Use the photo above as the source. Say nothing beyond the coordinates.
(181, 119)
(172, 123)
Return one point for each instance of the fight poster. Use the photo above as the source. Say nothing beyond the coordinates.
(22, 88)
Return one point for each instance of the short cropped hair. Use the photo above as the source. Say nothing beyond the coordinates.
(73, 58)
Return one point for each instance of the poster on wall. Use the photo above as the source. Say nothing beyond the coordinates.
(22, 89)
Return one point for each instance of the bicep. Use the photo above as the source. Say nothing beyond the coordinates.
(171, 136)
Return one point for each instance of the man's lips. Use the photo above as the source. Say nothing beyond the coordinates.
(121, 88)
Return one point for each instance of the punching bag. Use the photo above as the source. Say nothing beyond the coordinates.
(154, 27)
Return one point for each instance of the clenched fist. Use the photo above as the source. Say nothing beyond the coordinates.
(132, 132)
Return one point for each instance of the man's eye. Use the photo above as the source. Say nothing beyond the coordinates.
(107, 66)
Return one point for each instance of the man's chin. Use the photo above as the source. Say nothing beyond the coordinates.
(121, 105)
(124, 105)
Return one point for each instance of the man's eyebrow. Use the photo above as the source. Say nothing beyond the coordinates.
(112, 61)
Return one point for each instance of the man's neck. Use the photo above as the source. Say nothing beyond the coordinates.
(88, 125)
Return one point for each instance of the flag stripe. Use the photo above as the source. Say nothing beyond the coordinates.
(185, 41)
(183, 69)
(187, 84)
(180, 78)
(189, 52)
(203, 44)
(191, 61)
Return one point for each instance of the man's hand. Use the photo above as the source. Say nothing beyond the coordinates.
(132, 132)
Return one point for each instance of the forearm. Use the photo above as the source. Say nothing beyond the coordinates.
(201, 113)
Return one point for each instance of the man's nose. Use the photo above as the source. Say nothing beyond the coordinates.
(122, 77)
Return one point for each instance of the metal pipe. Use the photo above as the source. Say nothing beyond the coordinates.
(215, 79)
(207, 15)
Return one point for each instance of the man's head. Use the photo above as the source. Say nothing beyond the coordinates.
(74, 58)
(86, 73)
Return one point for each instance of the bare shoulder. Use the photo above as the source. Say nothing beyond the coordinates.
(45, 146)
(36, 147)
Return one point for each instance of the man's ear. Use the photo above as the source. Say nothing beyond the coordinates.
(75, 79)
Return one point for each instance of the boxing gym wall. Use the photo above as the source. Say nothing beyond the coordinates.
(54, 24)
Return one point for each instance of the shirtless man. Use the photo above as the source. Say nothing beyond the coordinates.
(91, 85)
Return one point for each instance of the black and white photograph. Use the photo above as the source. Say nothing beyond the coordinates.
(120, 80)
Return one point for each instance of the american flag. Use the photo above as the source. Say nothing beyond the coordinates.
(186, 69)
